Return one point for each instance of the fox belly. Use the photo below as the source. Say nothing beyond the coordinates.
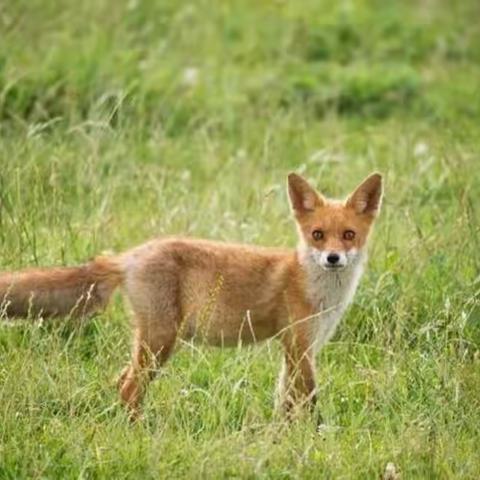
(220, 323)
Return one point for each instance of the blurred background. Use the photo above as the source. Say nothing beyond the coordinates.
(132, 111)
(109, 107)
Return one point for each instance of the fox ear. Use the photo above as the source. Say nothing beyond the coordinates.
(367, 197)
(303, 197)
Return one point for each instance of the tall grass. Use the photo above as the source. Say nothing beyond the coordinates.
(121, 121)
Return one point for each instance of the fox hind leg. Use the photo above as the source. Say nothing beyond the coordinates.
(150, 351)
(154, 299)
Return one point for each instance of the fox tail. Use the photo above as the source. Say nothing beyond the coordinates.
(55, 292)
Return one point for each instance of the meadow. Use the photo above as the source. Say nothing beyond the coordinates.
(125, 120)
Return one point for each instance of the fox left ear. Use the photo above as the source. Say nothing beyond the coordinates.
(367, 197)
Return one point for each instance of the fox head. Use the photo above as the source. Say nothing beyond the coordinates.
(333, 233)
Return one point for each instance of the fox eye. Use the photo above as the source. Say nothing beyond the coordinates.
(349, 235)
(317, 235)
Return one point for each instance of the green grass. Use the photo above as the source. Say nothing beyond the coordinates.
(107, 139)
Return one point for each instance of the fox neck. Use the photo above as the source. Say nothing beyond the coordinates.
(327, 290)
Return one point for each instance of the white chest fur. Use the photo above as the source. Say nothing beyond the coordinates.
(330, 292)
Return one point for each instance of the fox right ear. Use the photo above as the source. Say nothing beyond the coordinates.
(303, 197)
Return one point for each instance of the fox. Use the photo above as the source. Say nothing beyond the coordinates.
(221, 294)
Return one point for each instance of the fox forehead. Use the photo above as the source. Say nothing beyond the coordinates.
(334, 216)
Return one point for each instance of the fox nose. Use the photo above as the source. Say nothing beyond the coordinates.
(333, 258)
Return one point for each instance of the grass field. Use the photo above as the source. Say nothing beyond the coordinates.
(124, 120)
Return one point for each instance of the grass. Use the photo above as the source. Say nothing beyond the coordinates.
(121, 121)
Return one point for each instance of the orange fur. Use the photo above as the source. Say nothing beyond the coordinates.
(219, 293)
(52, 292)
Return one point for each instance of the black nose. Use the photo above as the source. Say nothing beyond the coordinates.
(333, 258)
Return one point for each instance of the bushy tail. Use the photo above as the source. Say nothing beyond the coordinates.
(54, 292)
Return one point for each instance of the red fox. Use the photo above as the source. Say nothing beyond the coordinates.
(221, 293)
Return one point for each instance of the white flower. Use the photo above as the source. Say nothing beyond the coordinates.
(420, 149)
(190, 76)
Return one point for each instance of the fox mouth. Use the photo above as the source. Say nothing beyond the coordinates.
(334, 268)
